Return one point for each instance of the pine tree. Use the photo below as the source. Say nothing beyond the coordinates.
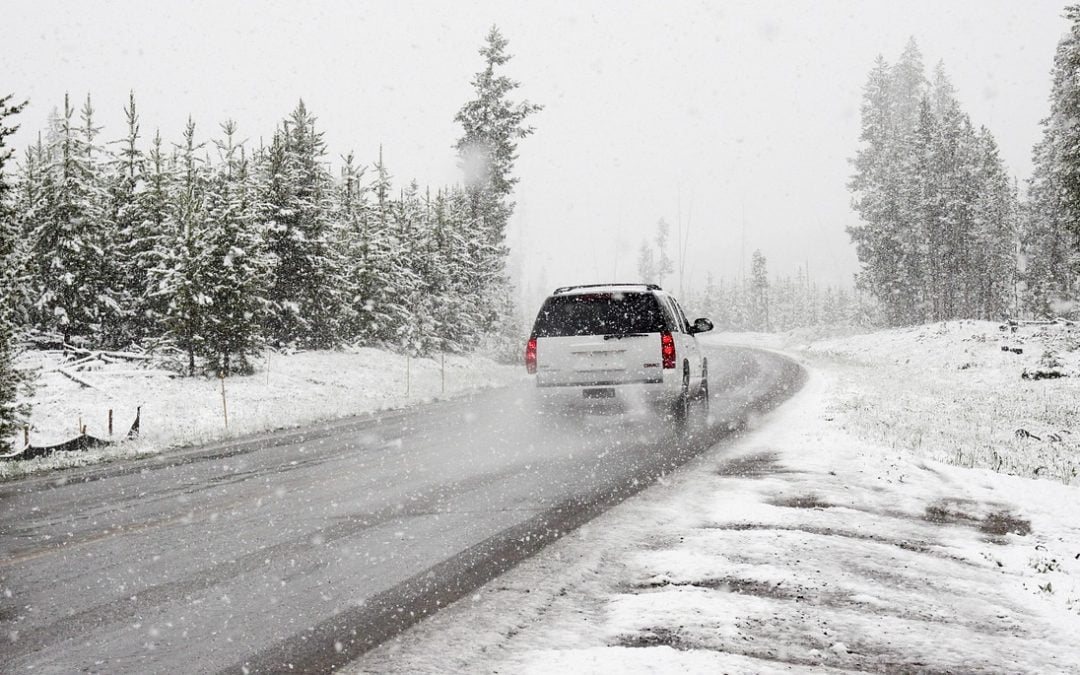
(1051, 237)
(152, 246)
(470, 322)
(352, 214)
(444, 281)
(236, 268)
(759, 292)
(27, 207)
(492, 124)
(295, 203)
(916, 295)
(877, 198)
(128, 222)
(664, 265)
(646, 264)
(408, 237)
(958, 159)
(1045, 244)
(179, 281)
(71, 241)
(13, 412)
(380, 277)
(907, 87)
(995, 214)
(107, 273)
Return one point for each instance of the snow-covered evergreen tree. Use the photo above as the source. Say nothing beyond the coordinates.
(27, 206)
(128, 223)
(455, 315)
(108, 276)
(646, 264)
(907, 87)
(156, 233)
(377, 269)
(664, 264)
(492, 124)
(13, 412)
(237, 269)
(1051, 229)
(759, 292)
(353, 239)
(295, 203)
(404, 237)
(179, 279)
(878, 238)
(995, 216)
(73, 290)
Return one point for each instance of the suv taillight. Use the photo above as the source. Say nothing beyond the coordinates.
(530, 356)
(667, 350)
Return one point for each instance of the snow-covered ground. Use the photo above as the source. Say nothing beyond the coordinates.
(286, 391)
(829, 539)
(963, 392)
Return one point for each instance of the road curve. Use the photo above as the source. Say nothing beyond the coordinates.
(301, 550)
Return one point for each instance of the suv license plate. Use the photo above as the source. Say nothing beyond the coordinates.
(607, 392)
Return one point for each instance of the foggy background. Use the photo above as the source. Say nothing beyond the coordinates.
(735, 119)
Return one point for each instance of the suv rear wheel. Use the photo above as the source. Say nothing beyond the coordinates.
(703, 393)
(681, 409)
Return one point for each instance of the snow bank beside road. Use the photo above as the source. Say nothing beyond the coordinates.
(805, 547)
(295, 389)
(963, 392)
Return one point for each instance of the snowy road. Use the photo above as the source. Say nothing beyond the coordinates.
(303, 549)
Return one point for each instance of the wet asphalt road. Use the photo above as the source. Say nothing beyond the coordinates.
(298, 551)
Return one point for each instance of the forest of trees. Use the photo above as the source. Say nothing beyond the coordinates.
(213, 249)
(944, 233)
(764, 302)
(940, 216)
(759, 302)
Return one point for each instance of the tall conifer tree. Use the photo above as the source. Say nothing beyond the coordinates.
(295, 204)
(179, 281)
(492, 124)
(237, 269)
(13, 413)
(1051, 238)
(72, 294)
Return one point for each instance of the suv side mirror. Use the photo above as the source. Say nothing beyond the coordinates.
(701, 326)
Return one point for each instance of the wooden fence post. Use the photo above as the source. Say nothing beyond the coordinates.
(442, 371)
(110, 422)
(224, 405)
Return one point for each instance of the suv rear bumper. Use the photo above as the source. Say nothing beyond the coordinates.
(599, 383)
(631, 394)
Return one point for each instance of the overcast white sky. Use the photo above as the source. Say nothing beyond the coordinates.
(724, 112)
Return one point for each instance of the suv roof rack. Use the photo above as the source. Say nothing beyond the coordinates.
(563, 289)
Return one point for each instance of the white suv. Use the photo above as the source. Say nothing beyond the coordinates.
(619, 341)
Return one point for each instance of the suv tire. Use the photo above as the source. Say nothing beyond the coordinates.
(681, 408)
(703, 393)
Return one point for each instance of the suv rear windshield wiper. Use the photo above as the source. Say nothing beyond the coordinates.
(619, 336)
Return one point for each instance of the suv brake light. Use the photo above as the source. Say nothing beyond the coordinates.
(667, 349)
(530, 356)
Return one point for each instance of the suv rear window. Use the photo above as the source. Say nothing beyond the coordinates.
(599, 314)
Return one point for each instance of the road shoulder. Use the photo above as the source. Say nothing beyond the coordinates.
(798, 547)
